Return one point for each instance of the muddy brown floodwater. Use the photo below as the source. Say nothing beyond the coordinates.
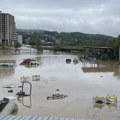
(76, 84)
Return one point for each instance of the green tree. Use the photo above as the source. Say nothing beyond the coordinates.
(56, 47)
(17, 45)
(118, 40)
(116, 46)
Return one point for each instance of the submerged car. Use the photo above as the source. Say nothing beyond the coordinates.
(30, 62)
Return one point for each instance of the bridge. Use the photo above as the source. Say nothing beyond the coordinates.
(86, 50)
(76, 47)
(90, 50)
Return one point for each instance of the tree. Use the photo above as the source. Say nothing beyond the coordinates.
(17, 45)
(118, 40)
(116, 47)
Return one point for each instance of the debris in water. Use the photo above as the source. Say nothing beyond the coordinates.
(10, 91)
(56, 96)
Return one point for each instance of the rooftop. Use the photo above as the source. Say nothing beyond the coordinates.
(11, 117)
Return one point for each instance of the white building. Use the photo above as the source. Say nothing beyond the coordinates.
(20, 39)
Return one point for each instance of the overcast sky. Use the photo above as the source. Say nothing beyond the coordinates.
(87, 16)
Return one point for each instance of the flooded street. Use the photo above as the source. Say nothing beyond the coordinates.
(81, 82)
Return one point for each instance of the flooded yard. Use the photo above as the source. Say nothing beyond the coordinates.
(79, 82)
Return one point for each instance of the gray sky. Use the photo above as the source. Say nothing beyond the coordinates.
(87, 16)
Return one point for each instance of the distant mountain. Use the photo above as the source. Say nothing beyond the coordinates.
(83, 36)
(74, 37)
(67, 35)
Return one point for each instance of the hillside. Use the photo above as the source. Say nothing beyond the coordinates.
(72, 38)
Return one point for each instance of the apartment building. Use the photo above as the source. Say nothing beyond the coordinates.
(7, 29)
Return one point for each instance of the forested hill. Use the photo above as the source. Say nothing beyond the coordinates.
(83, 36)
(70, 38)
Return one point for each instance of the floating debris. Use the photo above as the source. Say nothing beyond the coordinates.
(24, 78)
(22, 94)
(111, 99)
(99, 100)
(19, 86)
(10, 91)
(57, 89)
(9, 86)
(56, 96)
(36, 77)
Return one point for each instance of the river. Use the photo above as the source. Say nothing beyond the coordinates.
(79, 82)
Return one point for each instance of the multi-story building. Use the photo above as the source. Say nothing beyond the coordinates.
(20, 39)
(7, 29)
